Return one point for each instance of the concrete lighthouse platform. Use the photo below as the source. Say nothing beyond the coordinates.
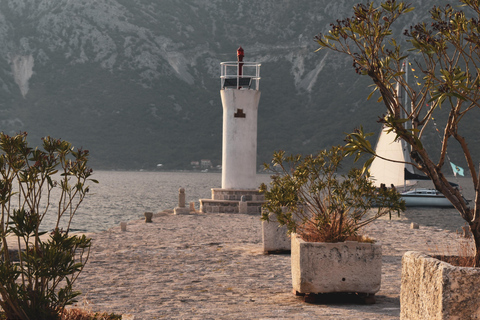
(233, 201)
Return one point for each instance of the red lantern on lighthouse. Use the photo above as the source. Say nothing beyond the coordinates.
(240, 55)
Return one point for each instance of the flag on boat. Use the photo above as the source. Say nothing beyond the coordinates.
(456, 169)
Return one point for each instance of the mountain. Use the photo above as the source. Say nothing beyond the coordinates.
(137, 81)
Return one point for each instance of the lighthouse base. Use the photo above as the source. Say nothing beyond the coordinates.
(233, 201)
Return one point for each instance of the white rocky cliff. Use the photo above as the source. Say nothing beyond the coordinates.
(22, 69)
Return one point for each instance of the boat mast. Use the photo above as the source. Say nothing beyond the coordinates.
(400, 92)
(405, 147)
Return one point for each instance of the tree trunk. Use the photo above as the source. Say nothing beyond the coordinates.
(475, 229)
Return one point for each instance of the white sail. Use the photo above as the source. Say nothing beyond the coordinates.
(391, 170)
(388, 172)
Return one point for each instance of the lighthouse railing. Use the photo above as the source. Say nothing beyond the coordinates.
(240, 75)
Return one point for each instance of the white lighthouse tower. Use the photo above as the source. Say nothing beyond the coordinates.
(240, 93)
(240, 97)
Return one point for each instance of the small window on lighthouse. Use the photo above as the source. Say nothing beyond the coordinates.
(239, 114)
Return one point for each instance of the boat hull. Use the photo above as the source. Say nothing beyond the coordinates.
(420, 200)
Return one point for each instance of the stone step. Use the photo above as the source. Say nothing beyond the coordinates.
(230, 206)
(236, 194)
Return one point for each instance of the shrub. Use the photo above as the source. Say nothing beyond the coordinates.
(309, 196)
(79, 314)
(35, 183)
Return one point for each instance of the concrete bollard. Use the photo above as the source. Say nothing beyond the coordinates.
(181, 203)
(123, 226)
(192, 207)
(148, 216)
(181, 198)
(414, 225)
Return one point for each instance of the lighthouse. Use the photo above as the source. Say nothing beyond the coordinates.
(240, 82)
(240, 95)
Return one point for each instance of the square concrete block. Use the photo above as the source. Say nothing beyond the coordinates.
(275, 237)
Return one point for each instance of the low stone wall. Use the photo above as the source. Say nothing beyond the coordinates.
(218, 206)
(433, 289)
(233, 201)
(236, 194)
(254, 207)
(230, 206)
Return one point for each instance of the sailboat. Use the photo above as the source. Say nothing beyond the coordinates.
(399, 172)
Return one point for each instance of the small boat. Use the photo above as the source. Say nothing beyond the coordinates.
(422, 197)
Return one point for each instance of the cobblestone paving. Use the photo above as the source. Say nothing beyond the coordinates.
(212, 267)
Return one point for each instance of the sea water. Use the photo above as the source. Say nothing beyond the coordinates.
(127, 195)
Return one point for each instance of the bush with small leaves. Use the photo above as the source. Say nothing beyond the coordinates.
(35, 183)
(310, 197)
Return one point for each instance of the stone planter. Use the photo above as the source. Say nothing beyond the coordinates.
(433, 289)
(344, 267)
(274, 237)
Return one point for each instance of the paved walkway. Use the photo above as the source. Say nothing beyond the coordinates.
(212, 267)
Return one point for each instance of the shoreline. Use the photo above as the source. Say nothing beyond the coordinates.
(212, 266)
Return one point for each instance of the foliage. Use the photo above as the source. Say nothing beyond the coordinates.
(313, 200)
(34, 183)
(445, 50)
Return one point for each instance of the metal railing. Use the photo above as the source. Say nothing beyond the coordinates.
(240, 75)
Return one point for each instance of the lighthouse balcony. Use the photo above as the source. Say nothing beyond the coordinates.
(240, 75)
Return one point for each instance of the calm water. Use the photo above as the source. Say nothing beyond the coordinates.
(124, 196)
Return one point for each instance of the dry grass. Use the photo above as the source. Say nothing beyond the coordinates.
(80, 314)
(335, 232)
(459, 261)
(461, 256)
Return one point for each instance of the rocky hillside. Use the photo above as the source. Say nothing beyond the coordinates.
(137, 81)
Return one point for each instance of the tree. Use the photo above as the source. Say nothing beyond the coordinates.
(445, 50)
